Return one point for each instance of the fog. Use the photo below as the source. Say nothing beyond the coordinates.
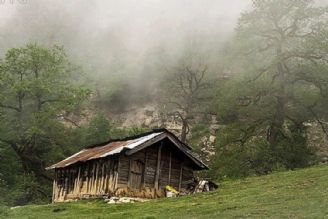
(105, 36)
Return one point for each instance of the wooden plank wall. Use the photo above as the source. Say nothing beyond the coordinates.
(124, 167)
(93, 178)
(150, 167)
(162, 166)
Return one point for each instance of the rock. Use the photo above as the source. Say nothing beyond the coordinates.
(211, 139)
(15, 207)
(111, 202)
(125, 200)
(118, 200)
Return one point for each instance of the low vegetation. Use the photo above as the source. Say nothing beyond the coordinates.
(290, 194)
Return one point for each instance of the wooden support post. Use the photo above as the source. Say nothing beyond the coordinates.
(66, 182)
(144, 170)
(77, 184)
(86, 173)
(106, 166)
(108, 175)
(95, 187)
(92, 183)
(170, 167)
(62, 174)
(54, 186)
(61, 185)
(158, 166)
(81, 182)
(57, 188)
(102, 182)
(180, 179)
(129, 173)
(71, 178)
(115, 173)
(111, 177)
(68, 175)
(75, 178)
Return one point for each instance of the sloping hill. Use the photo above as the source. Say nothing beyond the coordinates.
(292, 194)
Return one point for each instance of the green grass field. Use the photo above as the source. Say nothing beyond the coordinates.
(292, 194)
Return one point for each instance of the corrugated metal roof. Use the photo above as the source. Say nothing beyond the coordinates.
(117, 146)
(111, 148)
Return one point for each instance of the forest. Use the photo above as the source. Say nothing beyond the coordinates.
(248, 90)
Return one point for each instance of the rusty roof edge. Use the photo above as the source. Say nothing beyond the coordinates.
(115, 151)
(183, 147)
(73, 155)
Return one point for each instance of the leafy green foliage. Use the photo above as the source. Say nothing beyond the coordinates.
(37, 97)
(117, 133)
(98, 130)
(266, 105)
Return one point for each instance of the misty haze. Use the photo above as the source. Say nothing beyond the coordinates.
(215, 108)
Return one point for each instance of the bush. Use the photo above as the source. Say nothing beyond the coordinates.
(235, 161)
(256, 157)
(4, 211)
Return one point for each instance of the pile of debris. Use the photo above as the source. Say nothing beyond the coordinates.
(118, 200)
(205, 186)
(194, 187)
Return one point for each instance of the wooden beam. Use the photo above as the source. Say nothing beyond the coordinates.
(95, 186)
(144, 170)
(129, 172)
(116, 174)
(170, 168)
(180, 179)
(102, 182)
(107, 174)
(54, 186)
(68, 180)
(60, 192)
(78, 183)
(158, 166)
(92, 183)
(87, 177)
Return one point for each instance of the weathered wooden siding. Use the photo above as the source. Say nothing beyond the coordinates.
(162, 165)
(93, 178)
(142, 174)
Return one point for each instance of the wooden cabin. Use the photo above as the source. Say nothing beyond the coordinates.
(140, 166)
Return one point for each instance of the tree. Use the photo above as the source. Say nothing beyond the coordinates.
(98, 130)
(185, 91)
(37, 95)
(283, 49)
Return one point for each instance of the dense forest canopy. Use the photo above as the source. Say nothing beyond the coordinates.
(252, 75)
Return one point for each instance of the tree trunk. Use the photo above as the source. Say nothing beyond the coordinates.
(184, 131)
(276, 127)
(275, 130)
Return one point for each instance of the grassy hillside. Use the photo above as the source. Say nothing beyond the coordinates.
(292, 194)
